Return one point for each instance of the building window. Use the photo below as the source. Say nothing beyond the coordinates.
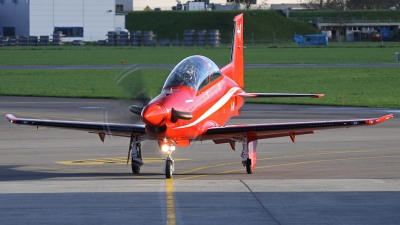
(119, 7)
(8, 31)
(70, 31)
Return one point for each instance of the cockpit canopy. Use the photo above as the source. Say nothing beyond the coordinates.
(194, 72)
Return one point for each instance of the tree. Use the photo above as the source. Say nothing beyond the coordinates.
(263, 5)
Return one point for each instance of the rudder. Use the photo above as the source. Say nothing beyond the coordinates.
(237, 60)
(235, 69)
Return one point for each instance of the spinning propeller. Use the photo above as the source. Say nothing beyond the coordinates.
(152, 114)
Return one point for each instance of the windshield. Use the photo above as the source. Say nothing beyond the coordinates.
(194, 72)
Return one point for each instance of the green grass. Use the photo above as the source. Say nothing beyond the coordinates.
(101, 55)
(373, 87)
(78, 83)
(288, 53)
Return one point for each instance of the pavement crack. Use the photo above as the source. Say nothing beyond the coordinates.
(266, 210)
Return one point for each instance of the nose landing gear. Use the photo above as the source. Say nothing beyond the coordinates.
(169, 162)
(168, 166)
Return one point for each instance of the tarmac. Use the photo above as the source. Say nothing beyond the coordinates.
(56, 176)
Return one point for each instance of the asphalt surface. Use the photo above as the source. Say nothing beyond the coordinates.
(248, 66)
(55, 176)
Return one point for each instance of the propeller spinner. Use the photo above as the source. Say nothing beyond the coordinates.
(155, 114)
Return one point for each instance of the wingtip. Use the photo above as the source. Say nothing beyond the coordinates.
(319, 95)
(380, 119)
(11, 118)
(384, 118)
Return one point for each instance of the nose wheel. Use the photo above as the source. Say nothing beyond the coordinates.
(168, 166)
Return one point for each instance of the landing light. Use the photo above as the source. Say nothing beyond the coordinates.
(164, 148)
(172, 148)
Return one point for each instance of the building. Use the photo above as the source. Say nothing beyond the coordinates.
(87, 20)
(284, 6)
(360, 31)
(140, 5)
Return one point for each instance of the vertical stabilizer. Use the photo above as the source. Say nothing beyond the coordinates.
(235, 70)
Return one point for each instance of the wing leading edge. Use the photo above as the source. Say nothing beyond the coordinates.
(273, 130)
(99, 128)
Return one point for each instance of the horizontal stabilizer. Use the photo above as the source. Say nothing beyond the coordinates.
(279, 95)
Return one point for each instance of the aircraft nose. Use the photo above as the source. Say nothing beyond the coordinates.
(154, 114)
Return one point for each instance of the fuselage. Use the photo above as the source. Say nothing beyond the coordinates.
(210, 105)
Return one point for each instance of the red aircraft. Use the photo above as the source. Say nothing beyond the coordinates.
(195, 103)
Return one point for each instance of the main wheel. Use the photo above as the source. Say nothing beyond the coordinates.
(168, 169)
(248, 166)
(135, 168)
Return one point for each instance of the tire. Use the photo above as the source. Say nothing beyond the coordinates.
(248, 167)
(135, 168)
(168, 169)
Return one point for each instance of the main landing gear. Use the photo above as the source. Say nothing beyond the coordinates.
(246, 161)
(136, 154)
(249, 154)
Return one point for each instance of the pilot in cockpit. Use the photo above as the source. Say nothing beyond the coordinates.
(187, 75)
(190, 72)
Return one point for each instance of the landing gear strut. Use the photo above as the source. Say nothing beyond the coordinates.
(249, 154)
(136, 154)
(245, 160)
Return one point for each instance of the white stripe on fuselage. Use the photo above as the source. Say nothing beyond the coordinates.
(214, 108)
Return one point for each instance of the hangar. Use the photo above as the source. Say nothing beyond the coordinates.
(360, 31)
(87, 20)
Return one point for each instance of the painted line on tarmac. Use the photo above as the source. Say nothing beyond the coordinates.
(170, 201)
(288, 156)
(294, 164)
(282, 157)
(104, 161)
(78, 171)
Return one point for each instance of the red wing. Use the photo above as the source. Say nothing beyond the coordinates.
(273, 130)
(92, 127)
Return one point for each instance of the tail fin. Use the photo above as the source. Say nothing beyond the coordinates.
(235, 69)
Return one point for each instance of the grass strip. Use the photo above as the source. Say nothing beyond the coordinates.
(371, 87)
(103, 55)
